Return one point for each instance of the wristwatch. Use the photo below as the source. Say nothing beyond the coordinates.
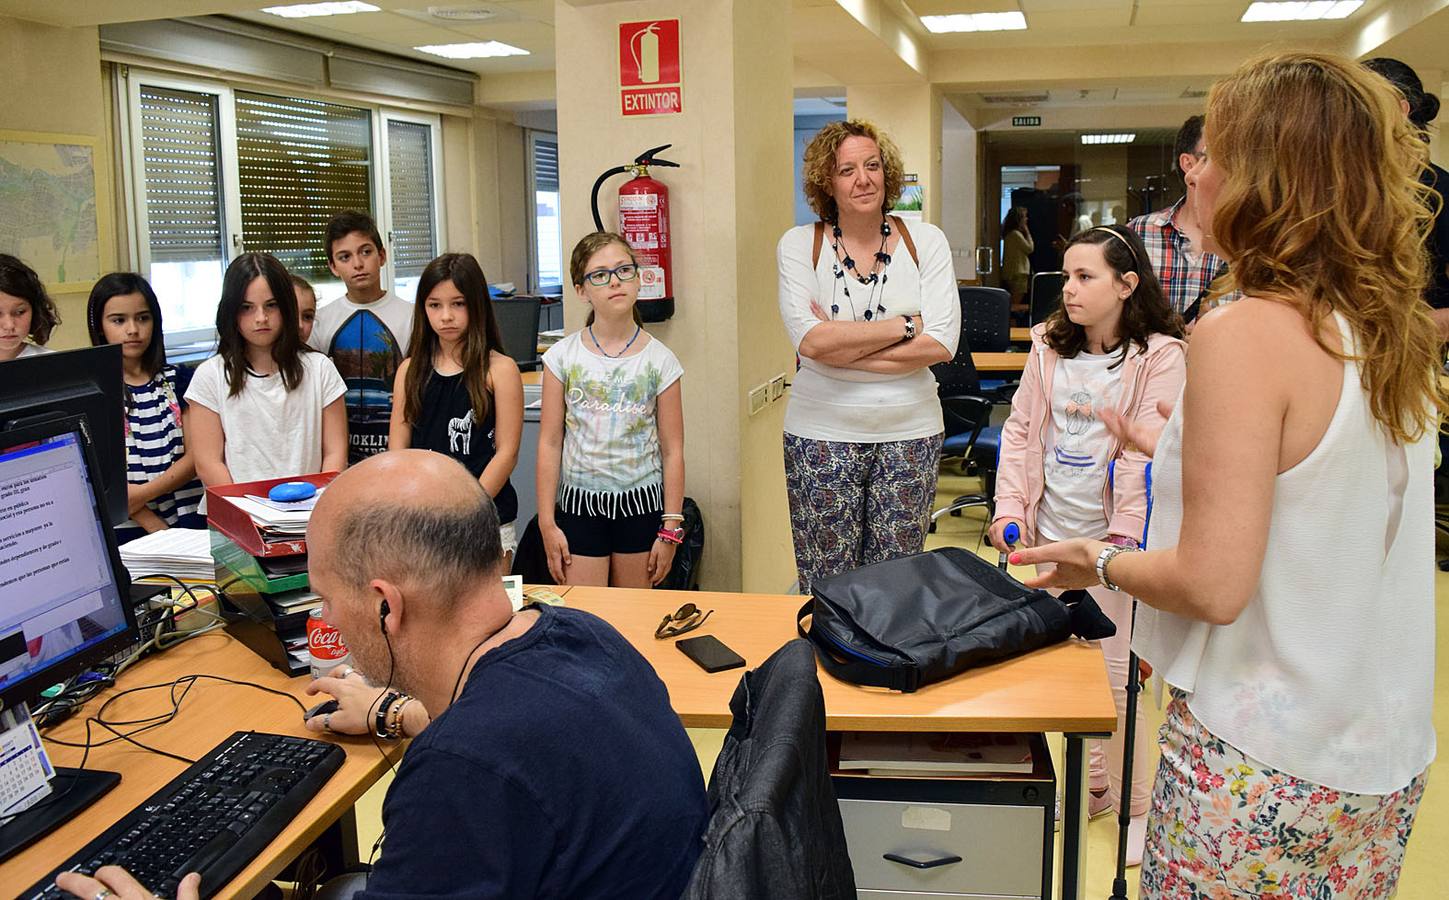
(910, 327)
(1108, 554)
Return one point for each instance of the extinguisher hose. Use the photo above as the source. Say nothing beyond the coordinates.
(594, 197)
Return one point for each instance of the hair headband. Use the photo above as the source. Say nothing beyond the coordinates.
(1130, 248)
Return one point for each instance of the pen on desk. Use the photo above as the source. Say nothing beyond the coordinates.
(1011, 534)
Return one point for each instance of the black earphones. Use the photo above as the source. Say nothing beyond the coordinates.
(382, 616)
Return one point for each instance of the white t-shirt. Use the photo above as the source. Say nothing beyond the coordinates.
(1076, 458)
(270, 432)
(611, 462)
(366, 342)
(32, 350)
(838, 404)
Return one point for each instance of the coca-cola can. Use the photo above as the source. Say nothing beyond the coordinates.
(324, 645)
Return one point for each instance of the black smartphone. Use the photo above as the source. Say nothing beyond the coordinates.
(709, 653)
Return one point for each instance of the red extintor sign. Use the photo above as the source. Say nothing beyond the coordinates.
(650, 74)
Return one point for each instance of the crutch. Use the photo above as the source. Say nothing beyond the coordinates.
(1129, 733)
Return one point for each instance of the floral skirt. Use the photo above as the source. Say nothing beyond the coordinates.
(1223, 825)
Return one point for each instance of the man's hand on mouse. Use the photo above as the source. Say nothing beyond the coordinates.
(356, 703)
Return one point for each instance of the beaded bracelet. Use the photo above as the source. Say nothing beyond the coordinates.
(671, 537)
(395, 724)
(380, 721)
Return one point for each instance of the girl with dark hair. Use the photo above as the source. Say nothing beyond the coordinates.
(163, 490)
(26, 310)
(1114, 345)
(265, 406)
(458, 393)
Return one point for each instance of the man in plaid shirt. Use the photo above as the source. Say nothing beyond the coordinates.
(1173, 236)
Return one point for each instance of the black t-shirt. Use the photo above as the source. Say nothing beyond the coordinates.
(447, 426)
(1437, 293)
(561, 771)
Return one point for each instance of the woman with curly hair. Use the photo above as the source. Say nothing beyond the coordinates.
(870, 305)
(1290, 589)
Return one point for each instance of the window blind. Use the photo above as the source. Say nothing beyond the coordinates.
(413, 241)
(545, 165)
(299, 161)
(183, 180)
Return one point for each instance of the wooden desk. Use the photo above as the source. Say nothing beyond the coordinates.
(999, 362)
(1020, 335)
(210, 713)
(1062, 688)
(534, 377)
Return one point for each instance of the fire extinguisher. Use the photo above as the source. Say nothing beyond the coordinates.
(644, 223)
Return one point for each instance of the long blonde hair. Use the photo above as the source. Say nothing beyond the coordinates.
(1321, 208)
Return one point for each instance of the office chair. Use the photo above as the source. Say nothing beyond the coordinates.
(986, 318)
(1046, 294)
(969, 437)
(518, 325)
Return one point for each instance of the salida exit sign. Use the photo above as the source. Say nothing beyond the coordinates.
(1026, 121)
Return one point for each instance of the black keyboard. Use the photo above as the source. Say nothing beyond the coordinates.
(214, 818)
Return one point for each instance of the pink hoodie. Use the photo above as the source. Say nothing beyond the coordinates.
(1147, 377)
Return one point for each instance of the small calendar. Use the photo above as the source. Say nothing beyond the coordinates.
(25, 770)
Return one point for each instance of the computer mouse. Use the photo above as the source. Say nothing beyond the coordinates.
(291, 491)
(321, 709)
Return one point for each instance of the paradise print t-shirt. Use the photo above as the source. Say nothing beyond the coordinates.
(611, 463)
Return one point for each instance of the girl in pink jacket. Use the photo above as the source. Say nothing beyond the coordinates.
(1115, 344)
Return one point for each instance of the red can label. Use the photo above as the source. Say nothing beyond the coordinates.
(324, 641)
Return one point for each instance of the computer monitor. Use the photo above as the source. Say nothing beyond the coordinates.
(63, 594)
(85, 383)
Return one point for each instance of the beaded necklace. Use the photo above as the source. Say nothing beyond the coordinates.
(876, 279)
(637, 329)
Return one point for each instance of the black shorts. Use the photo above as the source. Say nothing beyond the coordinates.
(591, 535)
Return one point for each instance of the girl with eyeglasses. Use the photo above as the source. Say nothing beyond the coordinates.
(458, 393)
(611, 445)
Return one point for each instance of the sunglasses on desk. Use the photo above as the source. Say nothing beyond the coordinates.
(685, 619)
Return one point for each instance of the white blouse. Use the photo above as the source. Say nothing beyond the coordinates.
(838, 404)
(1328, 673)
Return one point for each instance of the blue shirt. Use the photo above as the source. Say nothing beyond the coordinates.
(561, 771)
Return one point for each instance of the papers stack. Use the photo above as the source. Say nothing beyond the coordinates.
(183, 553)
(275, 521)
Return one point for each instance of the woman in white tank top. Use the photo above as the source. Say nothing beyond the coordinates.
(1290, 592)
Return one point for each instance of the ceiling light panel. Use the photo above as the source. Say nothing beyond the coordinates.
(966, 22)
(309, 10)
(477, 50)
(1300, 10)
(1108, 138)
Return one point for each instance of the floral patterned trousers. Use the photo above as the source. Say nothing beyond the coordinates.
(1223, 826)
(856, 504)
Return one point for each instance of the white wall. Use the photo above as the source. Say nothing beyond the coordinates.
(958, 189)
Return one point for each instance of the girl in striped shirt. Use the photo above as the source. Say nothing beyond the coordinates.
(163, 490)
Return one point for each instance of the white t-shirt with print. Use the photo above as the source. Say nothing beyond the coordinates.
(611, 462)
(395, 312)
(1076, 457)
(271, 432)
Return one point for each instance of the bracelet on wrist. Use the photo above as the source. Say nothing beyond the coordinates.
(674, 536)
(380, 720)
(1109, 553)
(395, 724)
(678, 517)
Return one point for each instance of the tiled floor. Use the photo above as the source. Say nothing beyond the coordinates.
(1430, 831)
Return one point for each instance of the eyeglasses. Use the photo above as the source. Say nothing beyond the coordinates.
(601, 277)
(687, 618)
